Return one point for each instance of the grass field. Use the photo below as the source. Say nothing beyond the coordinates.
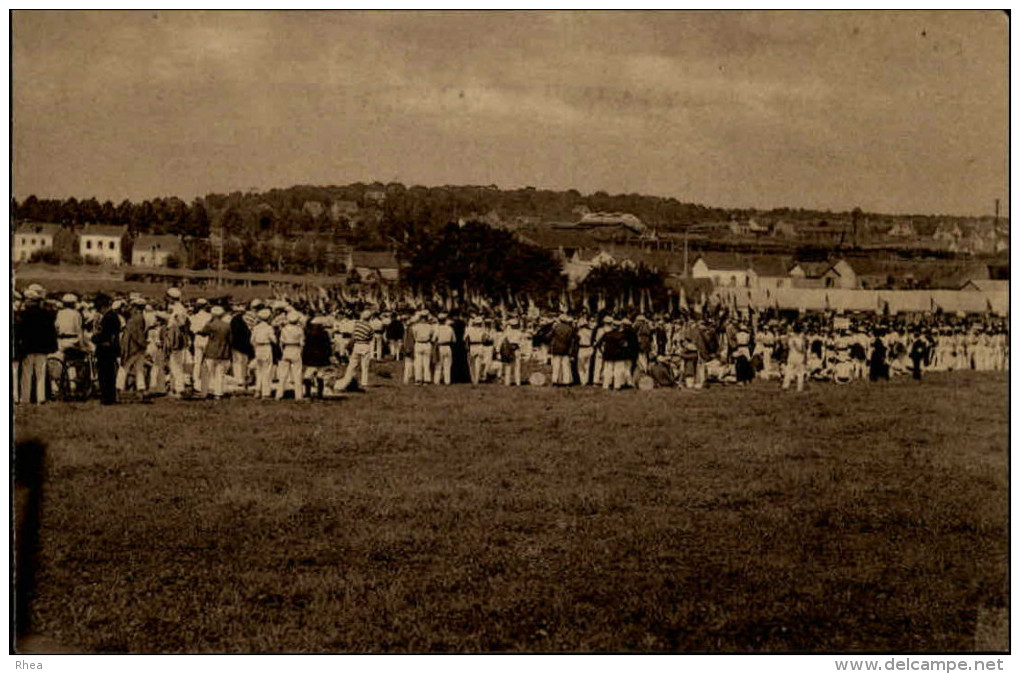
(861, 518)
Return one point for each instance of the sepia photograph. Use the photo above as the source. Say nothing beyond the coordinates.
(510, 332)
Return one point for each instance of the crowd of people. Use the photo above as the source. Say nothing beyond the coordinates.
(272, 349)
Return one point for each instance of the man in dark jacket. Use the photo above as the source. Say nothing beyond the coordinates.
(316, 353)
(630, 362)
(615, 353)
(36, 333)
(107, 342)
(394, 332)
(918, 355)
(241, 349)
(561, 346)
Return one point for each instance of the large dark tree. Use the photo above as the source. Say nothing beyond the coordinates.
(476, 258)
(620, 284)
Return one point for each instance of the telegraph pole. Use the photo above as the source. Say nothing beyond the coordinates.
(219, 274)
(687, 231)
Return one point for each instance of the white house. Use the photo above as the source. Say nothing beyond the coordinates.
(948, 234)
(724, 270)
(104, 243)
(153, 250)
(31, 238)
(902, 229)
(840, 275)
(772, 271)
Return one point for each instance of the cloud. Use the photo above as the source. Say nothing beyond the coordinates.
(742, 107)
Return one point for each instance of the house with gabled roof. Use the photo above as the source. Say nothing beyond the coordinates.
(724, 269)
(103, 243)
(374, 264)
(771, 271)
(33, 237)
(902, 229)
(155, 250)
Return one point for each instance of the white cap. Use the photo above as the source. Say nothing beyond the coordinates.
(265, 314)
(293, 317)
(217, 310)
(174, 293)
(69, 298)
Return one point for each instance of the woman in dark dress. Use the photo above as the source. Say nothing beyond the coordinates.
(879, 366)
(460, 370)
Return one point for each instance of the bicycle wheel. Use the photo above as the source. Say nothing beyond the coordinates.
(58, 386)
(87, 380)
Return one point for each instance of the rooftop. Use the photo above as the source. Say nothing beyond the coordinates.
(374, 259)
(104, 230)
(39, 229)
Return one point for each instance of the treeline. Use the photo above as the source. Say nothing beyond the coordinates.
(376, 216)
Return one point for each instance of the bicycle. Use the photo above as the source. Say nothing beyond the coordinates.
(73, 377)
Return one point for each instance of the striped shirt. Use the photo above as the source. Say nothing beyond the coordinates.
(362, 332)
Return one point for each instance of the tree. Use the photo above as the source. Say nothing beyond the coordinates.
(231, 222)
(614, 280)
(108, 213)
(197, 221)
(301, 257)
(479, 259)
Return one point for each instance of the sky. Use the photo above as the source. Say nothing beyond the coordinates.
(894, 112)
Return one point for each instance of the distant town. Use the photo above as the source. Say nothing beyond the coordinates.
(359, 232)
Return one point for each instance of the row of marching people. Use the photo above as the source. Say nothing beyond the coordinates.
(276, 349)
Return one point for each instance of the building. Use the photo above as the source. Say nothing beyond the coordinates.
(103, 243)
(948, 233)
(313, 208)
(840, 275)
(826, 234)
(902, 229)
(155, 250)
(785, 229)
(342, 209)
(724, 270)
(630, 224)
(32, 238)
(564, 240)
(809, 274)
(739, 228)
(771, 271)
(370, 264)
